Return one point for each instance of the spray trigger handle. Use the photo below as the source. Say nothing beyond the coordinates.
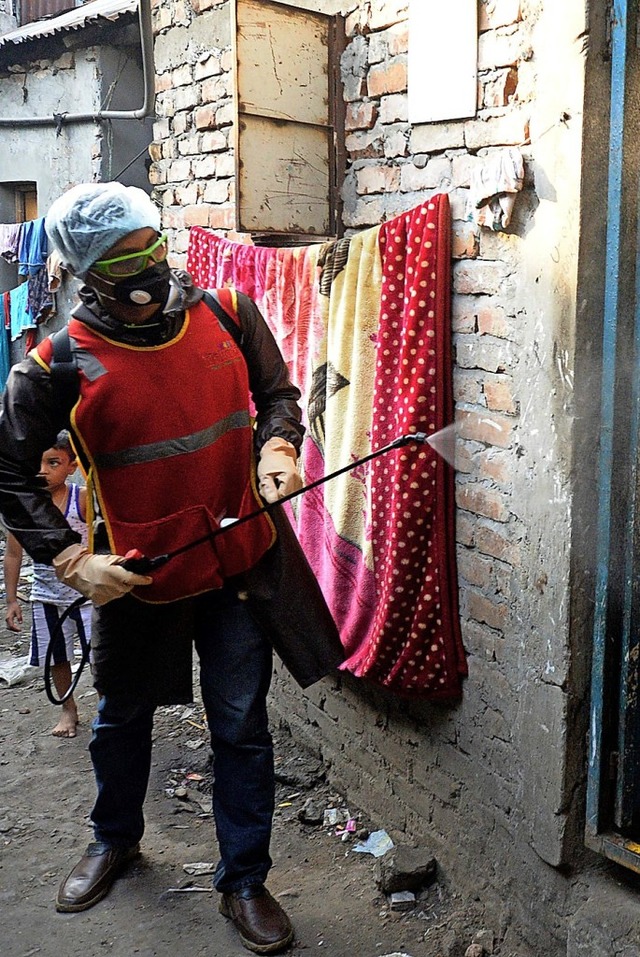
(136, 562)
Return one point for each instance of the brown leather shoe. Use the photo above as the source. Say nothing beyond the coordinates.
(262, 924)
(92, 877)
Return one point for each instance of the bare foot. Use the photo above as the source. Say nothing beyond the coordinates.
(66, 726)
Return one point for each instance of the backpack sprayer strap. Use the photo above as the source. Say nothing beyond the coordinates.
(64, 370)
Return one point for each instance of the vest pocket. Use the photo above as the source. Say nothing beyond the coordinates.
(190, 573)
(240, 548)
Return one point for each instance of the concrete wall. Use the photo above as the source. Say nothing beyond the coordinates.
(122, 88)
(75, 77)
(494, 784)
(36, 155)
(7, 19)
(72, 85)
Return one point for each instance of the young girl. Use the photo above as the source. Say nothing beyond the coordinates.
(49, 597)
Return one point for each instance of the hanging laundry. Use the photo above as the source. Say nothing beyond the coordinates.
(282, 281)
(10, 241)
(30, 341)
(494, 184)
(54, 269)
(33, 248)
(5, 350)
(6, 310)
(19, 311)
(5, 360)
(364, 325)
(39, 299)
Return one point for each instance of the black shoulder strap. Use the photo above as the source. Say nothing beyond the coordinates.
(227, 321)
(64, 371)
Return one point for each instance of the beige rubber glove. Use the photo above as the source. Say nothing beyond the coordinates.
(277, 472)
(100, 578)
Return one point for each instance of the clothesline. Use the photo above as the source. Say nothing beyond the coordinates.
(25, 306)
(25, 243)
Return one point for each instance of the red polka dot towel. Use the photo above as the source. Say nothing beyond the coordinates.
(414, 642)
(364, 324)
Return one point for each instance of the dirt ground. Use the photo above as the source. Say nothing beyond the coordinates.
(157, 908)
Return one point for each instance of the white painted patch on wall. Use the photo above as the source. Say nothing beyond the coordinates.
(443, 60)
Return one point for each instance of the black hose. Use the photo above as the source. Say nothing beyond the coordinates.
(56, 635)
(143, 565)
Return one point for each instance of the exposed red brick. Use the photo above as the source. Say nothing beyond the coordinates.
(494, 465)
(197, 215)
(361, 116)
(499, 395)
(205, 118)
(464, 243)
(390, 77)
(482, 609)
(492, 542)
(483, 501)
(222, 217)
(484, 427)
(493, 322)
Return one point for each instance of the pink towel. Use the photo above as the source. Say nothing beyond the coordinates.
(364, 324)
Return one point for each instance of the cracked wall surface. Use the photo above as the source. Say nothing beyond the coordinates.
(496, 782)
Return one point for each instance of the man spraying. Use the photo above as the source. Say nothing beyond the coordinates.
(160, 417)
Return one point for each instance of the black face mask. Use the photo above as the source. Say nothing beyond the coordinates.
(150, 286)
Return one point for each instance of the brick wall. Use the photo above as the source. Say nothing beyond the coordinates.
(193, 164)
(492, 783)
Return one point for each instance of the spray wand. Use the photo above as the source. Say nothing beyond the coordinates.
(142, 565)
(135, 561)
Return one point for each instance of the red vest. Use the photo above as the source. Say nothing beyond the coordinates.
(168, 437)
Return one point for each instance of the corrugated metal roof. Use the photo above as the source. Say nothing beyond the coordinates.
(72, 20)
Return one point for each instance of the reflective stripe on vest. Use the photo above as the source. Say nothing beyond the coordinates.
(170, 447)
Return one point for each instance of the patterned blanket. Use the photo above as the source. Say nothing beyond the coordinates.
(364, 324)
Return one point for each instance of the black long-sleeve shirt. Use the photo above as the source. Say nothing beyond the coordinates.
(33, 411)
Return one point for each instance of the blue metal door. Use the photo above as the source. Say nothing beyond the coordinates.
(613, 795)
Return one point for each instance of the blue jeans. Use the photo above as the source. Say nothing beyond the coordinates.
(235, 672)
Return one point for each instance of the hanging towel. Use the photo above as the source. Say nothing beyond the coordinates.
(6, 310)
(10, 241)
(40, 300)
(413, 533)
(32, 252)
(5, 360)
(54, 269)
(364, 324)
(19, 311)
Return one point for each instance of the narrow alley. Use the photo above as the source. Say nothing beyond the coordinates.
(163, 905)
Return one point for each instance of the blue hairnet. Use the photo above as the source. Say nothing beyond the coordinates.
(89, 219)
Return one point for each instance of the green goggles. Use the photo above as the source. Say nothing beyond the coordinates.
(133, 263)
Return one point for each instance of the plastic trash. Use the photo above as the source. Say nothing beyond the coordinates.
(199, 867)
(378, 843)
(335, 815)
(13, 670)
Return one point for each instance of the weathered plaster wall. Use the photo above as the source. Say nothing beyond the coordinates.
(69, 83)
(83, 78)
(36, 155)
(122, 88)
(494, 782)
(7, 19)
